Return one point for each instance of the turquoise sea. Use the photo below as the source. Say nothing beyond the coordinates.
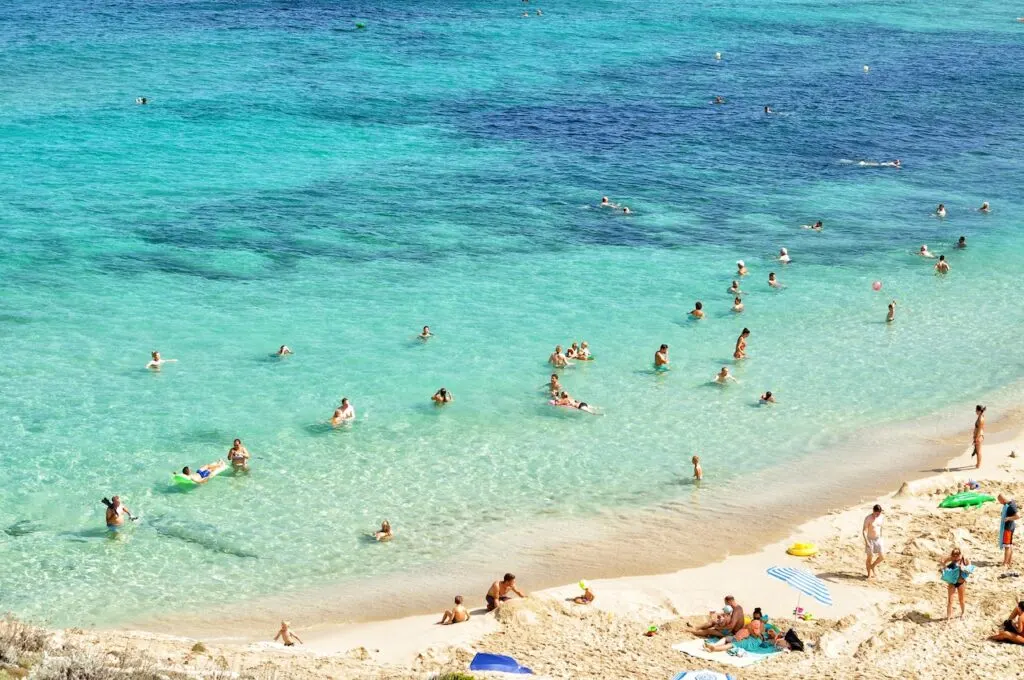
(295, 179)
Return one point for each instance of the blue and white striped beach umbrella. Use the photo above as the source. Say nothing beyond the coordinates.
(804, 581)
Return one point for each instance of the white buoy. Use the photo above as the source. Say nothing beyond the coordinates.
(718, 55)
(866, 68)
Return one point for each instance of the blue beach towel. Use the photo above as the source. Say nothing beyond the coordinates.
(499, 663)
(751, 645)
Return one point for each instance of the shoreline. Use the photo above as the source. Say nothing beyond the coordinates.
(414, 646)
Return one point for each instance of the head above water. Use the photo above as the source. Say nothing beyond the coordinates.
(238, 442)
(344, 401)
(663, 348)
(186, 471)
(698, 305)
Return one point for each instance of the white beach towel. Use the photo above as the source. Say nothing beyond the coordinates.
(695, 648)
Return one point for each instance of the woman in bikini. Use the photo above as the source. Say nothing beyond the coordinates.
(979, 433)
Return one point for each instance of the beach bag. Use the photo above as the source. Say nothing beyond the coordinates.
(795, 643)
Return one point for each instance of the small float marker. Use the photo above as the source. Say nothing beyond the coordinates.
(866, 68)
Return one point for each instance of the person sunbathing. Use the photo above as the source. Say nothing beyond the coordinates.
(1013, 627)
(722, 626)
(755, 629)
(588, 595)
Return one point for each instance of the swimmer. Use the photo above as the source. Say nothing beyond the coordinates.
(766, 398)
(626, 210)
(156, 362)
(741, 345)
(724, 376)
(554, 386)
(734, 289)
(661, 357)
(141, 101)
(961, 242)
(442, 396)
(116, 513)
(768, 109)
(741, 269)
(924, 252)
(698, 471)
(817, 226)
(891, 315)
(737, 305)
(942, 266)
(941, 210)
(286, 635)
(984, 208)
(717, 100)
(203, 474)
(605, 203)
(772, 281)
(425, 334)
(238, 456)
(526, 15)
(343, 414)
(698, 310)
(573, 352)
(284, 351)
(584, 352)
(784, 256)
(539, 13)
(563, 399)
(385, 533)
(456, 614)
(557, 359)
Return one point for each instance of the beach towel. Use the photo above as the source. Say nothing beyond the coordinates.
(702, 675)
(695, 648)
(499, 663)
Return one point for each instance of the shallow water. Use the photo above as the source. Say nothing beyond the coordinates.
(296, 180)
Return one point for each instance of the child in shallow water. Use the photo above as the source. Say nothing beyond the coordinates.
(698, 472)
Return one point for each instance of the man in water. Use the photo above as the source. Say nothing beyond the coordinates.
(984, 207)
(661, 357)
(205, 473)
(698, 310)
(723, 377)
(737, 305)
(156, 362)
(116, 514)
(979, 433)
(343, 414)
(768, 109)
(499, 591)
(425, 334)
(941, 210)
(1009, 523)
(557, 359)
(555, 386)
(817, 226)
(942, 266)
(872, 533)
(961, 242)
(284, 351)
(767, 398)
(717, 100)
(626, 210)
(741, 345)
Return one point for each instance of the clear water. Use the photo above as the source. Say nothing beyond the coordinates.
(296, 180)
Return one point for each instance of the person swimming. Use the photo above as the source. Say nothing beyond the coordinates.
(784, 256)
(891, 315)
(734, 289)
(142, 101)
(425, 334)
(203, 474)
(768, 109)
(661, 357)
(772, 281)
(741, 345)
(961, 242)
(573, 352)
(984, 207)
(156, 362)
(817, 226)
(626, 210)
(554, 386)
(563, 399)
(605, 203)
(924, 252)
(284, 351)
(442, 396)
(238, 456)
(723, 377)
(941, 210)
(584, 352)
(717, 100)
(741, 268)
(767, 398)
(942, 266)
(557, 359)
(737, 305)
(698, 310)
(343, 414)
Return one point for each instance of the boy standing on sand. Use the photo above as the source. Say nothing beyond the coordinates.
(286, 635)
(1006, 528)
(873, 545)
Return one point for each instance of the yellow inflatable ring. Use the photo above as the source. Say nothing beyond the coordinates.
(803, 549)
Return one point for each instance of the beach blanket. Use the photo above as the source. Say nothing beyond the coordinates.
(695, 648)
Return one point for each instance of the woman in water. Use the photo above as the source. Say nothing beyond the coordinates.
(784, 256)
(156, 362)
(385, 533)
(984, 207)
(283, 351)
(956, 569)
(734, 289)
(741, 345)
(442, 397)
(737, 305)
(924, 252)
(698, 310)
(238, 456)
(891, 316)
(557, 359)
(584, 353)
(425, 334)
(741, 269)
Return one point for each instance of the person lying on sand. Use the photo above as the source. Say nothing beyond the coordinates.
(1013, 627)
(753, 629)
(722, 626)
(588, 595)
(456, 614)
(286, 635)
(499, 591)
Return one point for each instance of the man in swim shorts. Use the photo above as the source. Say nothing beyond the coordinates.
(661, 357)
(499, 590)
(730, 627)
(557, 359)
(873, 545)
(203, 474)
(1006, 529)
(286, 635)
(116, 513)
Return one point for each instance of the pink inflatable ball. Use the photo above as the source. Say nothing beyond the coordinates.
(877, 285)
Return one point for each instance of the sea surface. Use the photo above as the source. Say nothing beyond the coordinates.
(297, 179)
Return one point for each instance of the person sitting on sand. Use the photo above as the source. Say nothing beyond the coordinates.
(871, 531)
(499, 591)
(588, 595)
(661, 357)
(287, 636)
(817, 226)
(741, 345)
(284, 351)
(942, 266)
(772, 281)
(723, 377)
(557, 359)
(737, 305)
(1013, 627)
(784, 256)
(961, 242)
(956, 569)
(156, 362)
(343, 414)
(457, 614)
(941, 210)
(238, 456)
(767, 398)
(754, 629)
(924, 252)
(698, 471)
(385, 533)
(984, 207)
(891, 315)
(729, 623)
(203, 474)
(741, 268)
(734, 289)
(698, 310)
(442, 396)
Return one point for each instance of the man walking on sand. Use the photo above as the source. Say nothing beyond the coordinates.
(873, 545)
(1007, 525)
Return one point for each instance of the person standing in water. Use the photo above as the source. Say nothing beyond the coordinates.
(442, 396)
(557, 359)
(741, 268)
(979, 433)
(238, 456)
(741, 345)
(116, 513)
(698, 471)
(942, 266)
(425, 334)
(284, 351)
(343, 414)
(724, 376)
(156, 362)
(941, 210)
(698, 310)
(891, 316)
(555, 386)
(661, 357)
(737, 305)
(873, 545)
(772, 281)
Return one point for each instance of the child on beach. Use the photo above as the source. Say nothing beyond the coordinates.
(698, 472)
(456, 614)
(588, 595)
(286, 635)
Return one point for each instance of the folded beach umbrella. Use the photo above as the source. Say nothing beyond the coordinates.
(497, 662)
(702, 675)
(804, 582)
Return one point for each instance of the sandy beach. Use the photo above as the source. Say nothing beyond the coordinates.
(891, 626)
